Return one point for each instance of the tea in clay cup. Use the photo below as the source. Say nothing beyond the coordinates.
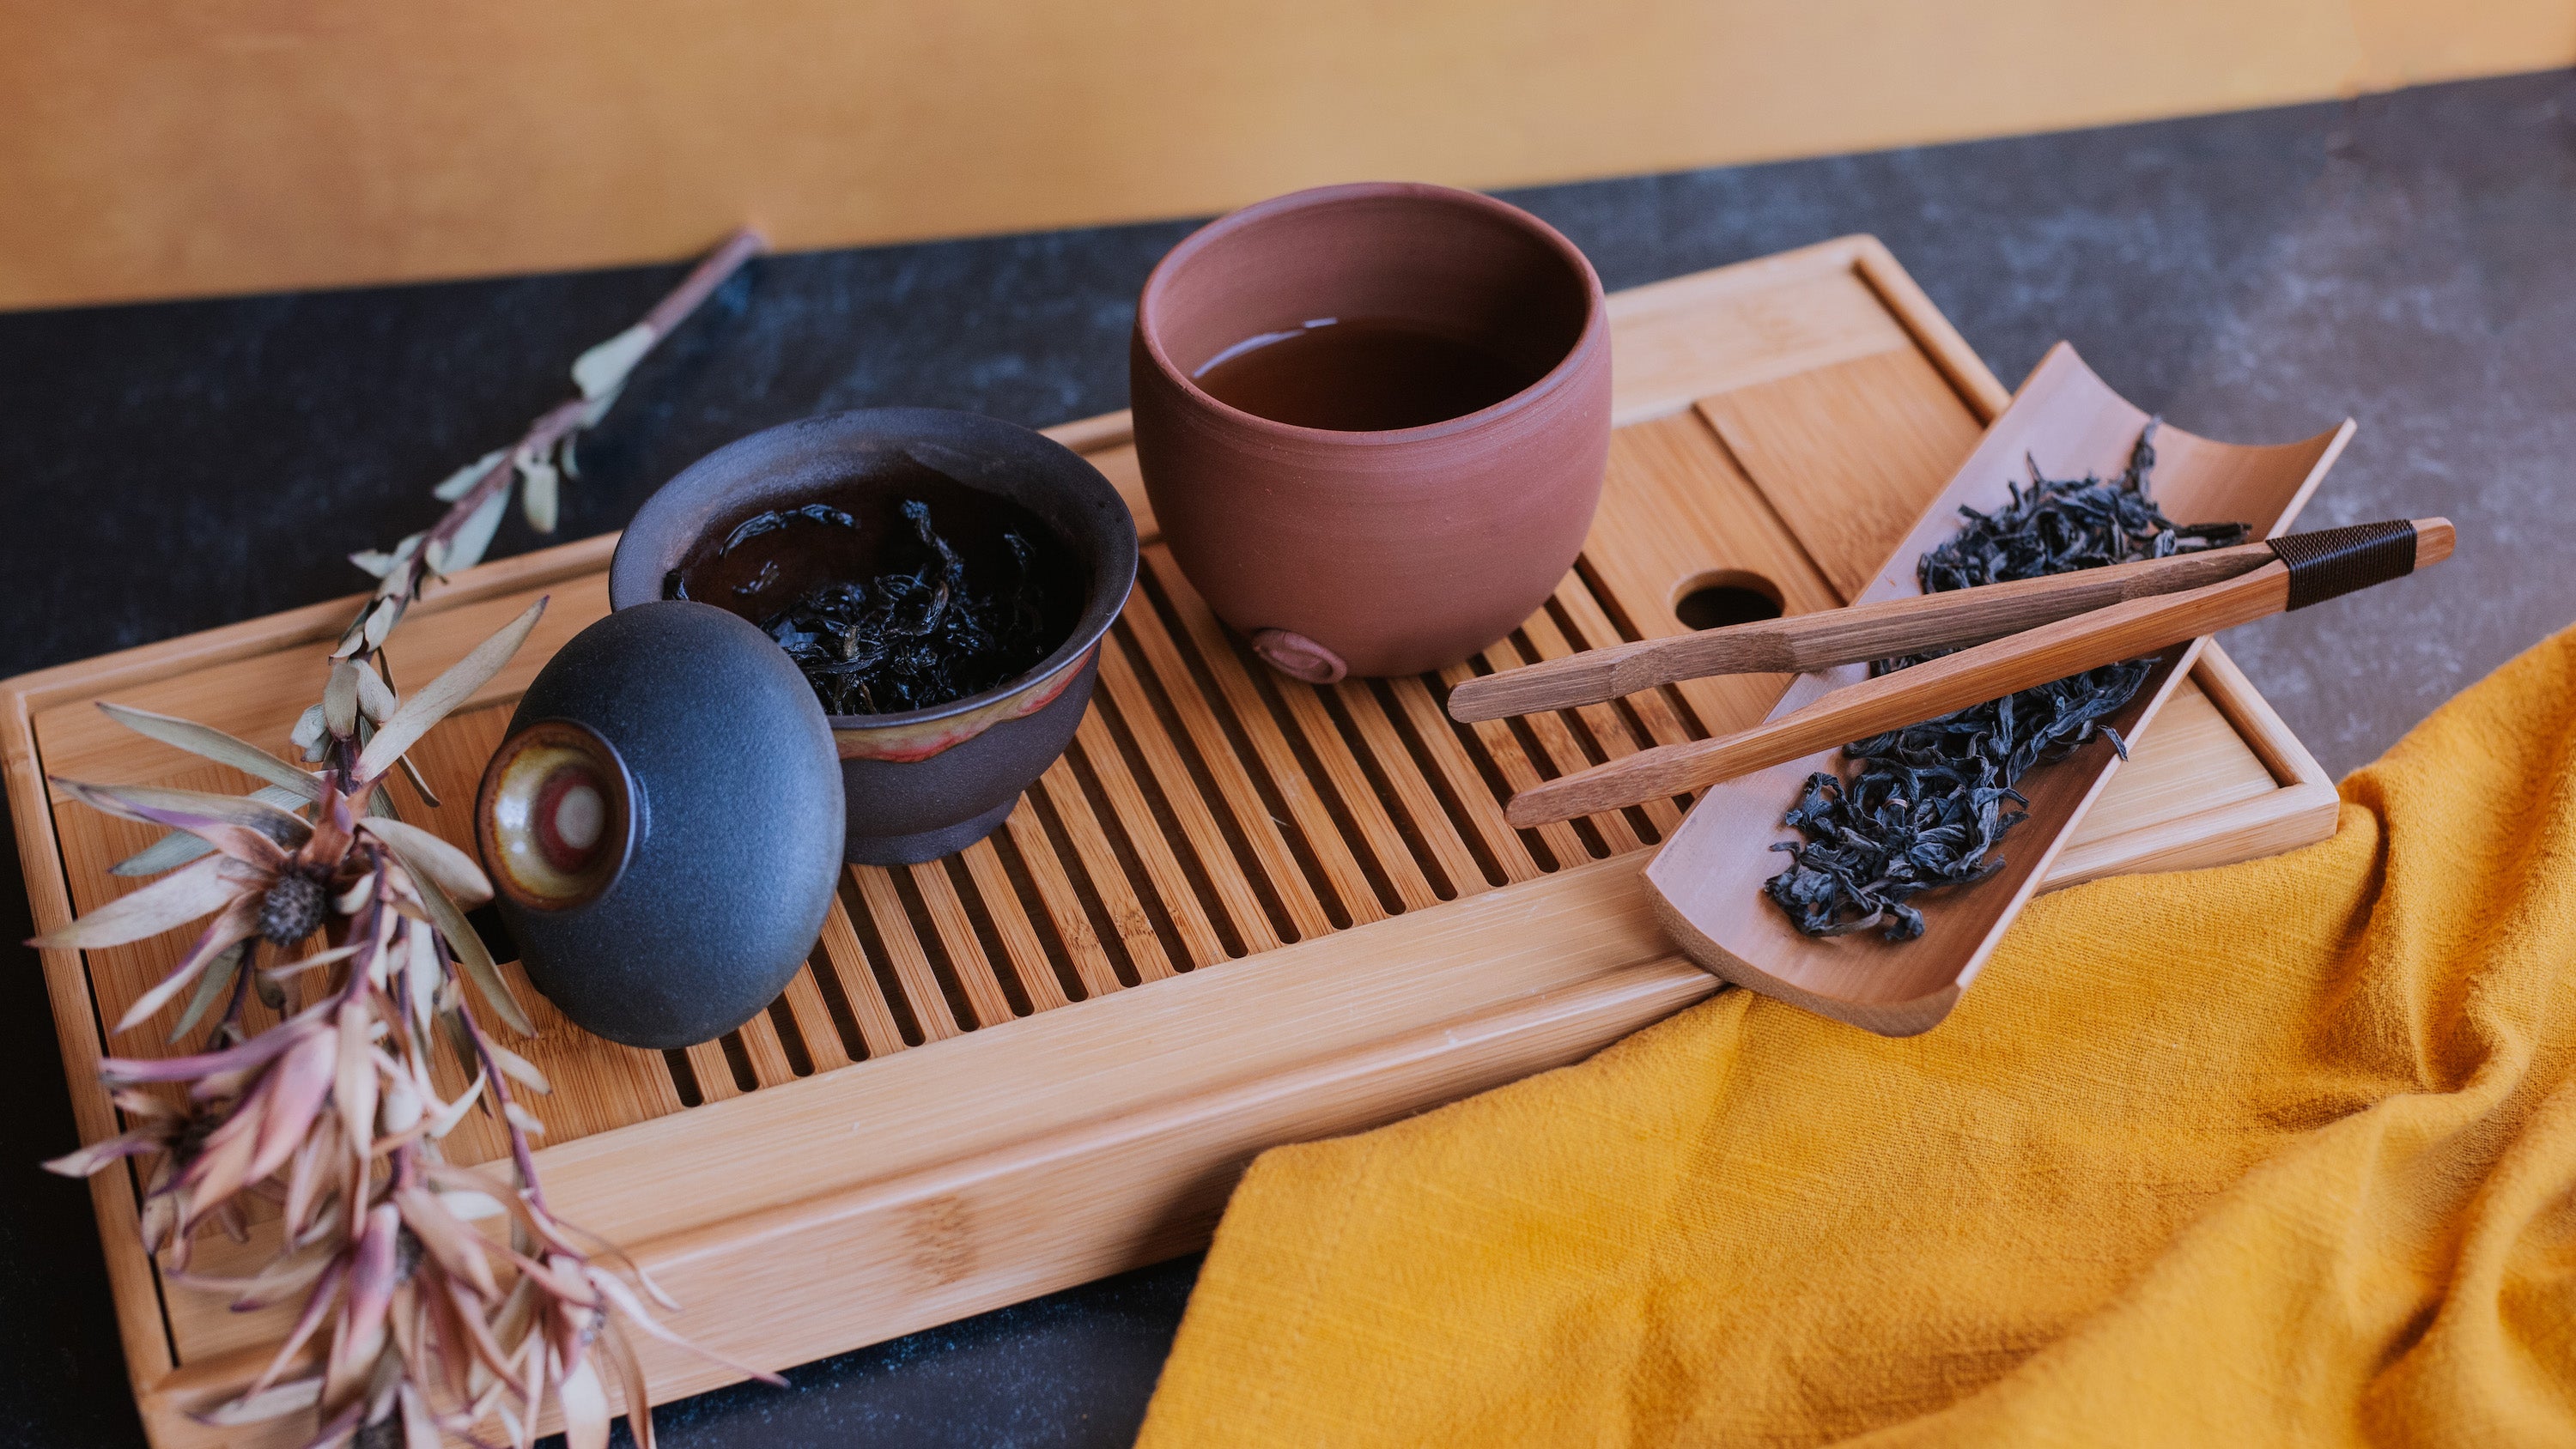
(1338, 544)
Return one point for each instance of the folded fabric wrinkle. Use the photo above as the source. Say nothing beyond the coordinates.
(2279, 1152)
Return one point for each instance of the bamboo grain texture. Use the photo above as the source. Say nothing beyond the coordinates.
(1239, 911)
(1854, 635)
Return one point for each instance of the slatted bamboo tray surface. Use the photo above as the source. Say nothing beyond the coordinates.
(969, 1098)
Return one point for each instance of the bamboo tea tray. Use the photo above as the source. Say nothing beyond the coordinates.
(1240, 912)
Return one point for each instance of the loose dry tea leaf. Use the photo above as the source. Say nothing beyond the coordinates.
(1927, 805)
(917, 635)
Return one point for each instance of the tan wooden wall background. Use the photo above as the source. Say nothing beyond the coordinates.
(170, 147)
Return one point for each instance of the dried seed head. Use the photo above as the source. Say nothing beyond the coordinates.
(294, 907)
(188, 1137)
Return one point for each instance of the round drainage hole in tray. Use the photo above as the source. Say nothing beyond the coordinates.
(1714, 601)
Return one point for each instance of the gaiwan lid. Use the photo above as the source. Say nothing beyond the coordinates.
(663, 824)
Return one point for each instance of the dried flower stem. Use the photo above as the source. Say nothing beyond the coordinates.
(333, 1113)
(478, 492)
(577, 413)
(522, 1157)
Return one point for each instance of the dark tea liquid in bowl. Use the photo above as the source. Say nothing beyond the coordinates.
(1362, 375)
(898, 592)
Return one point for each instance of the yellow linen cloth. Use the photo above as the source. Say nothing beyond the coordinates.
(2278, 1153)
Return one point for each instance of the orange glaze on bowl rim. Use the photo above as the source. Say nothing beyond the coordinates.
(919, 740)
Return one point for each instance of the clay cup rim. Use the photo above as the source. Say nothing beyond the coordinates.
(1153, 302)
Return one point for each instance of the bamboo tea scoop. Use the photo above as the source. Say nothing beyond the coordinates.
(2025, 634)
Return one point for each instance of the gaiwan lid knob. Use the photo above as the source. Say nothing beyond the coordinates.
(663, 824)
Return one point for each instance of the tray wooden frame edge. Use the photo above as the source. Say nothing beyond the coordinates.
(2303, 811)
(131, 1278)
(142, 1329)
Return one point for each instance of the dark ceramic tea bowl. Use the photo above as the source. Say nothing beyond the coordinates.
(918, 783)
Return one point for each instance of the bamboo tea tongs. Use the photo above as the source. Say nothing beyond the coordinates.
(2025, 634)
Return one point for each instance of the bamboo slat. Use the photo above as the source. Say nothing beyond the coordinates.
(1026, 834)
(1411, 793)
(824, 1048)
(1105, 777)
(1204, 731)
(1066, 803)
(954, 933)
(1848, 454)
(1031, 967)
(852, 975)
(1468, 794)
(892, 925)
(1240, 693)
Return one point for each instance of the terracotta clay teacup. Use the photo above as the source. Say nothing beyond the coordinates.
(1372, 420)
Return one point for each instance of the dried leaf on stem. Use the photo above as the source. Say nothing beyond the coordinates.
(413, 1325)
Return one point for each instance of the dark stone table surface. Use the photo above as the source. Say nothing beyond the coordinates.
(2409, 260)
